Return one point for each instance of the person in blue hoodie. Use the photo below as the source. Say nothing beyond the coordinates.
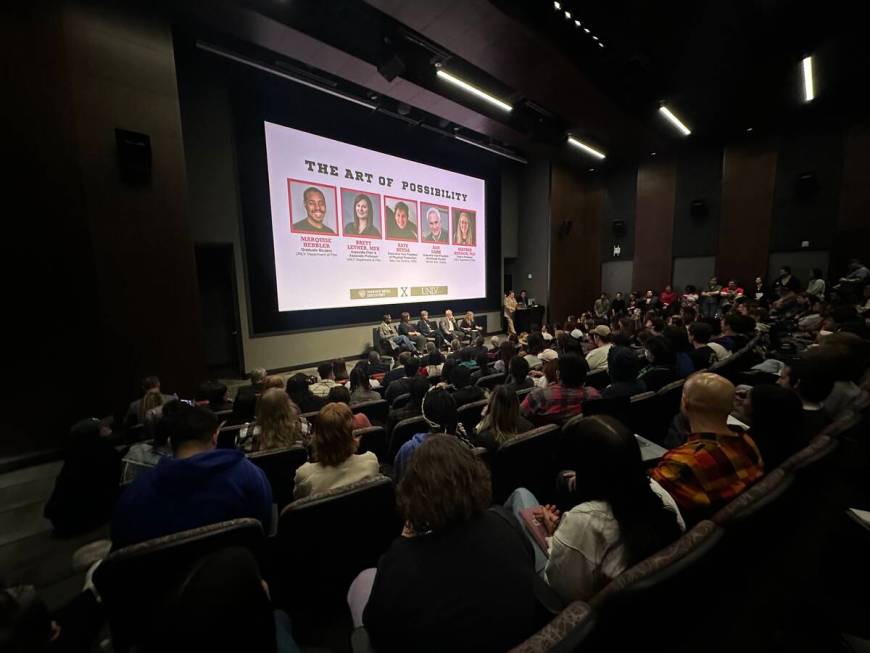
(198, 485)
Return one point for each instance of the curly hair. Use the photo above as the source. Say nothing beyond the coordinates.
(333, 439)
(444, 484)
(278, 419)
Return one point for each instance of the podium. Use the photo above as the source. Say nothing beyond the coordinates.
(524, 318)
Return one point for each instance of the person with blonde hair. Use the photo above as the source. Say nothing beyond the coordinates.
(501, 420)
(717, 462)
(336, 461)
(278, 423)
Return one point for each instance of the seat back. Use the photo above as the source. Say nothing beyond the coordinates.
(614, 406)
(522, 393)
(280, 467)
(134, 581)
(375, 410)
(564, 634)
(489, 381)
(665, 407)
(753, 509)
(599, 379)
(529, 461)
(469, 415)
(404, 431)
(644, 595)
(312, 418)
(641, 413)
(326, 539)
(228, 435)
(401, 401)
(374, 439)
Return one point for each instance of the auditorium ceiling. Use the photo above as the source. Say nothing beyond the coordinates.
(724, 67)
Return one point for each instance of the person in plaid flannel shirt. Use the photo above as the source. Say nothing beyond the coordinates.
(563, 399)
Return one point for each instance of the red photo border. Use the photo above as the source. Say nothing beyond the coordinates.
(406, 201)
(290, 180)
(381, 210)
(459, 209)
(420, 211)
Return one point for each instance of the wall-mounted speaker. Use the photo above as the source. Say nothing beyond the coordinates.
(698, 209)
(134, 156)
(806, 186)
(618, 227)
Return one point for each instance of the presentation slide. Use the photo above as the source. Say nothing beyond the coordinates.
(355, 227)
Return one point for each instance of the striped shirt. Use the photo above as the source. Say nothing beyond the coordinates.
(708, 471)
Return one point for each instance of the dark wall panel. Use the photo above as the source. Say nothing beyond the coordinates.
(809, 215)
(654, 232)
(699, 177)
(620, 202)
(748, 175)
(853, 237)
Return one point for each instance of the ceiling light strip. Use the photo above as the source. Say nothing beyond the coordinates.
(676, 122)
(586, 148)
(809, 86)
(465, 86)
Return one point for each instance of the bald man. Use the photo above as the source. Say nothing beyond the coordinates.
(716, 463)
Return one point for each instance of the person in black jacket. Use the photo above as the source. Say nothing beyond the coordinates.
(465, 392)
(461, 577)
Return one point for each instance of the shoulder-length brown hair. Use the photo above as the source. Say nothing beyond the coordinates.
(503, 414)
(444, 484)
(333, 438)
(278, 419)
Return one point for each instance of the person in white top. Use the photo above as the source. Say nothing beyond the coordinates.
(597, 358)
(621, 517)
(337, 463)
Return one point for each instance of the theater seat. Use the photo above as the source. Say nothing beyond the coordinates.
(374, 439)
(376, 410)
(326, 539)
(634, 607)
(280, 467)
(404, 431)
(489, 381)
(564, 634)
(134, 581)
(228, 436)
(614, 406)
(469, 415)
(521, 394)
(529, 461)
(599, 379)
(401, 401)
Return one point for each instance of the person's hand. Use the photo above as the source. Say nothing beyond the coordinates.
(549, 516)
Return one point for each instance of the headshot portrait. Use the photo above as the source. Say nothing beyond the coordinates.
(312, 208)
(361, 213)
(434, 223)
(401, 219)
(463, 227)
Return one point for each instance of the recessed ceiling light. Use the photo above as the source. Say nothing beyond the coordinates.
(748, 130)
(594, 38)
(465, 86)
(568, 14)
(600, 44)
(557, 6)
(591, 169)
(676, 122)
(652, 153)
(586, 29)
(577, 22)
(809, 87)
(586, 148)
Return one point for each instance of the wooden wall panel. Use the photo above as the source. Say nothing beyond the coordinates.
(748, 178)
(853, 227)
(575, 262)
(654, 231)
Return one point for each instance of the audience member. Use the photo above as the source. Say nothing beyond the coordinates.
(336, 461)
(501, 420)
(246, 396)
(547, 374)
(710, 298)
(213, 393)
(678, 338)
(461, 577)
(816, 285)
(374, 365)
(398, 372)
(145, 455)
(597, 358)
(776, 423)
(620, 515)
(505, 354)
(563, 399)
(623, 366)
(403, 385)
(327, 380)
(341, 395)
(736, 330)
(439, 411)
(199, 485)
(716, 464)
(300, 393)
(434, 364)
(786, 280)
(278, 425)
(702, 355)
(360, 387)
(518, 374)
(417, 389)
(151, 398)
(86, 488)
(534, 346)
(465, 392)
(339, 370)
(661, 360)
(617, 306)
(601, 308)
(668, 298)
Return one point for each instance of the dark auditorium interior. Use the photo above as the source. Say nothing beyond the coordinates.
(463, 325)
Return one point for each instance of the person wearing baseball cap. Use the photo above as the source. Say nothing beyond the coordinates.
(547, 375)
(597, 358)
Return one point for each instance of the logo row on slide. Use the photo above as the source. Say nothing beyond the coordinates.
(314, 209)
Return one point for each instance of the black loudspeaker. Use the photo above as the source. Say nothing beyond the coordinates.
(806, 186)
(698, 209)
(134, 156)
(391, 68)
(618, 227)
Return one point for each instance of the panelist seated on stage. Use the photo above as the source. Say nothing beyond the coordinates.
(468, 326)
(388, 333)
(409, 329)
(429, 330)
(448, 327)
(523, 299)
(315, 209)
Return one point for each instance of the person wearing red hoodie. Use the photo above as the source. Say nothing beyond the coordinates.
(668, 297)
